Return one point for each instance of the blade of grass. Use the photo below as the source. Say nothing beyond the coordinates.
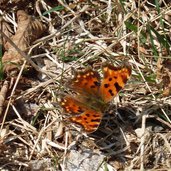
(161, 38)
(152, 41)
(57, 8)
(122, 5)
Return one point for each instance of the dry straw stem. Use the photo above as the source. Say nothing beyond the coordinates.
(12, 93)
(3, 93)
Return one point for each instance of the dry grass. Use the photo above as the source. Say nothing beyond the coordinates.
(136, 135)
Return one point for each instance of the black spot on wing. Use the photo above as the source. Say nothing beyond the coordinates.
(111, 92)
(106, 85)
(80, 110)
(97, 83)
(118, 87)
(92, 86)
(87, 114)
(95, 120)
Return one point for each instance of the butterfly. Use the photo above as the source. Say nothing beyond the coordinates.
(93, 94)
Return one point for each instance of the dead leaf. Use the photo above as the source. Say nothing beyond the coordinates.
(164, 75)
(28, 30)
(5, 27)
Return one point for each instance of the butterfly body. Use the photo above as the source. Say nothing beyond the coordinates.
(93, 94)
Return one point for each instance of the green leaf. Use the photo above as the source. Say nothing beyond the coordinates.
(131, 26)
(152, 40)
(57, 8)
(157, 6)
(161, 38)
(143, 38)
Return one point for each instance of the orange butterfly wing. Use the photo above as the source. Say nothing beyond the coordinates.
(114, 79)
(88, 118)
(86, 82)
